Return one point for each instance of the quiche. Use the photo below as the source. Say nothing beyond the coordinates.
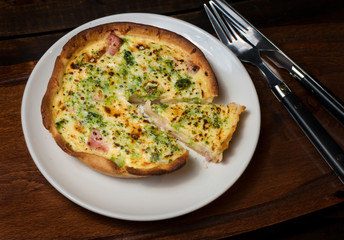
(206, 128)
(91, 103)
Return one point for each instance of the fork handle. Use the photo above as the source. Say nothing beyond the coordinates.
(332, 103)
(318, 136)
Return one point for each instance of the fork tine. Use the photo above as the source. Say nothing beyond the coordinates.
(218, 29)
(238, 21)
(228, 24)
(225, 27)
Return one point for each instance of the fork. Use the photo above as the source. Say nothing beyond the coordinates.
(331, 102)
(252, 34)
(246, 52)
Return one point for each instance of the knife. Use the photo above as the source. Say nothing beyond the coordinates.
(332, 103)
(246, 52)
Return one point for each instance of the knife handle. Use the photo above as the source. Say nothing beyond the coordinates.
(318, 136)
(332, 103)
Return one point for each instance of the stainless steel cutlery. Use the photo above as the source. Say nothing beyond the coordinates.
(247, 43)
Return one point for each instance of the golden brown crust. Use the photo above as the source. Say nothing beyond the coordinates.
(171, 167)
(53, 86)
(108, 167)
(88, 36)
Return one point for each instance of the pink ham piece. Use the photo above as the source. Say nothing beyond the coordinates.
(113, 43)
(98, 96)
(96, 142)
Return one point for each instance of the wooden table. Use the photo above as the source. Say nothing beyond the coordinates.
(286, 178)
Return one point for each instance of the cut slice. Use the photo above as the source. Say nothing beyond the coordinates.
(206, 128)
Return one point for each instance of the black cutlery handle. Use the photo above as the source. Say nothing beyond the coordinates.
(322, 141)
(331, 102)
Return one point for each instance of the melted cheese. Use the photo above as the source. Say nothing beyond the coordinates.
(93, 110)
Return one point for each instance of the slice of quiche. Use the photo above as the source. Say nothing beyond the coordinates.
(206, 128)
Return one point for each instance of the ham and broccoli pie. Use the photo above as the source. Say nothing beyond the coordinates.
(102, 77)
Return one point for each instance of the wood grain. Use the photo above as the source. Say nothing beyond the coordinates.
(16, 73)
(285, 179)
(34, 17)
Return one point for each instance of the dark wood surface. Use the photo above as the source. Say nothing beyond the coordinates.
(286, 183)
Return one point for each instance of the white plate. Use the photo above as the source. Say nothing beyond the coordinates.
(155, 198)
